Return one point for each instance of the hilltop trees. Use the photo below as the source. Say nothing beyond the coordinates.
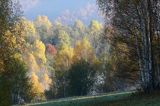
(95, 26)
(38, 57)
(79, 30)
(50, 52)
(79, 26)
(94, 33)
(29, 31)
(43, 27)
(70, 45)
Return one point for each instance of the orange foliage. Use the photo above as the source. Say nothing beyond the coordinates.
(51, 49)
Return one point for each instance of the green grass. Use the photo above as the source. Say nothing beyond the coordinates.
(112, 99)
(136, 100)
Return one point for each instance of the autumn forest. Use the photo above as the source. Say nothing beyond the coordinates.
(42, 60)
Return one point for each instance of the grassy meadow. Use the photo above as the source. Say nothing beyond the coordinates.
(112, 99)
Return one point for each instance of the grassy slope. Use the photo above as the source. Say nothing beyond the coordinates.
(136, 100)
(115, 99)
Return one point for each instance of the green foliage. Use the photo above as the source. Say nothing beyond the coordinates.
(80, 78)
(20, 81)
(11, 43)
(5, 91)
(14, 82)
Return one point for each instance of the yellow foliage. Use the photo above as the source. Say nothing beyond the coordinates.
(37, 87)
(18, 56)
(26, 29)
(31, 62)
(78, 24)
(64, 38)
(29, 28)
(10, 40)
(43, 21)
(39, 51)
(95, 26)
(38, 74)
(46, 81)
(63, 59)
(83, 50)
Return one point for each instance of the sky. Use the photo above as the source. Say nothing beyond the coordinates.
(63, 10)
